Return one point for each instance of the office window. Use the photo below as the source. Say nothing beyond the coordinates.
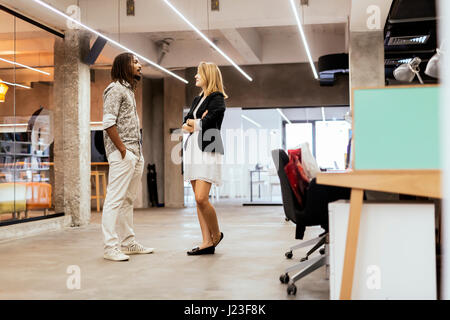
(324, 129)
(297, 133)
(331, 144)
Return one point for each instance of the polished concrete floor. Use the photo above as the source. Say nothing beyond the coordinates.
(246, 265)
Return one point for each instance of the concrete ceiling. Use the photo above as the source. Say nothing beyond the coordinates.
(249, 31)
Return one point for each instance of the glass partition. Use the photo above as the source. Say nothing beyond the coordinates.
(250, 135)
(26, 121)
(249, 175)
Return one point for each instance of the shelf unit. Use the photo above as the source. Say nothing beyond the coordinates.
(19, 161)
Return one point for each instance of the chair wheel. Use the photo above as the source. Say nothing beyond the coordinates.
(288, 254)
(291, 290)
(286, 219)
(303, 259)
(322, 251)
(284, 278)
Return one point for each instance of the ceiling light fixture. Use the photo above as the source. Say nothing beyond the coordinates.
(14, 84)
(22, 65)
(283, 115)
(13, 124)
(407, 60)
(250, 120)
(406, 40)
(49, 7)
(207, 40)
(419, 39)
(305, 43)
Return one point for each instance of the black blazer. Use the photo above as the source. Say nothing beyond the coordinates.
(209, 139)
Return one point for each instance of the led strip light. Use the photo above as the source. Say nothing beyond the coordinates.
(207, 40)
(14, 84)
(250, 120)
(109, 40)
(22, 65)
(283, 115)
(305, 43)
(14, 125)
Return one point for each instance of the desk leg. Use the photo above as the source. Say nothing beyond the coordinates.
(356, 201)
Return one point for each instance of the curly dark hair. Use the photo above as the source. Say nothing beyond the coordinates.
(122, 69)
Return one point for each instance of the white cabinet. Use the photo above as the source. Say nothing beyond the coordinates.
(396, 256)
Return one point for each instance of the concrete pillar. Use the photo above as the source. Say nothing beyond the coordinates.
(366, 43)
(72, 128)
(153, 134)
(174, 102)
(366, 64)
(139, 202)
(366, 60)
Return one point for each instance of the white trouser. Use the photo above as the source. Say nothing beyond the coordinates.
(124, 177)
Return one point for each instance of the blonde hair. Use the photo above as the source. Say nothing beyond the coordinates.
(211, 74)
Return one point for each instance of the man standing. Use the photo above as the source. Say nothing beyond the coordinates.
(123, 147)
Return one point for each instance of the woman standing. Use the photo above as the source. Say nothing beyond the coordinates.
(204, 151)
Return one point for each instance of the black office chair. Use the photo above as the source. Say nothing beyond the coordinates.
(313, 213)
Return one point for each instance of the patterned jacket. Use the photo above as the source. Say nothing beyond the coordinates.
(119, 108)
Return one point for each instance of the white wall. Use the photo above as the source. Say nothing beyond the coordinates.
(444, 30)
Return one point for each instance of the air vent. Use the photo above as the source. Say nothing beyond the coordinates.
(408, 40)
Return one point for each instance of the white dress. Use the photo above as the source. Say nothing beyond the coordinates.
(199, 165)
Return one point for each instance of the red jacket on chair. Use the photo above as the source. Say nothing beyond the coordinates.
(296, 175)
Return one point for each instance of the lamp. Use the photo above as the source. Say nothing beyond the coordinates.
(407, 71)
(433, 65)
(3, 90)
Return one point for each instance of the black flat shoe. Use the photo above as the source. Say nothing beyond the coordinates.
(221, 237)
(197, 251)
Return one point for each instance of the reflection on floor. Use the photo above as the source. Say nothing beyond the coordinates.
(247, 263)
(21, 215)
(189, 200)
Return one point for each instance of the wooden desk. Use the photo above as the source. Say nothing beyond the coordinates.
(424, 183)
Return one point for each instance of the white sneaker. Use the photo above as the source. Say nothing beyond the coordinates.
(136, 248)
(115, 255)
